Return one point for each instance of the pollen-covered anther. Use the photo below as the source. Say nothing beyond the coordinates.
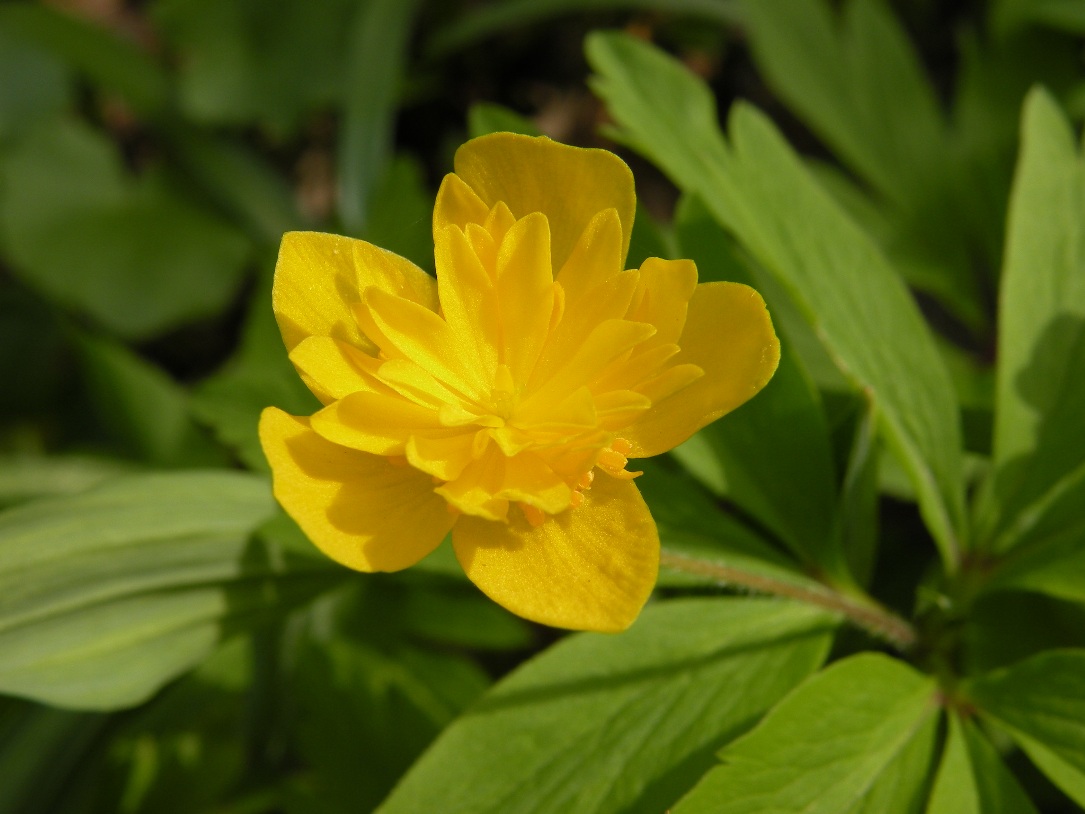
(535, 516)
(613, 460)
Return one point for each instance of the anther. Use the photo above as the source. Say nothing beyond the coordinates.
(534, 514)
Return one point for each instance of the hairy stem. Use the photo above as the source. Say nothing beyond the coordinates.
(871, 617)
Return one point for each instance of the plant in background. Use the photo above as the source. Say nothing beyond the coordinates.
(871, 577)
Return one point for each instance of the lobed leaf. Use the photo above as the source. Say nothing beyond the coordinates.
(857, 737)
(1041, 703)
(107, 595)
(972, 779)
(758, 189)
(615, 723)
(1040, 388)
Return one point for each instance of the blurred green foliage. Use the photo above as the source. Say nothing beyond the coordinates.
(904, 183)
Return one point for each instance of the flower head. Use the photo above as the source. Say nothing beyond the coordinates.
(504, 400)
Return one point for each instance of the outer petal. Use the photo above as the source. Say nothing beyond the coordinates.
(318, 277)
(569, 185)
(589, 568)
(359, 509)
(328, 367)
(377, 423)
(729, 335)
(457, 205)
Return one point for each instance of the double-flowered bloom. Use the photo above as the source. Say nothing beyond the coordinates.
(504, 400)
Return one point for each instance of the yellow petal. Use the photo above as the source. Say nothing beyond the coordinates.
(661, 298)
(318, 277)
(569, 185)
(328, 368)
(589, 568)
(443, 456)
(457, 205)
(405, 330)
(469, 297)
(487, 485)
(607, 343)
(525, 284)
(358, 509)
(729, 335)
(597, 256)
(372, 422)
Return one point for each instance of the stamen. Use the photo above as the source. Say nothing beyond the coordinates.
(576, 499)
(586, 480)
(535, 516)
(610, 459)
(614, 460)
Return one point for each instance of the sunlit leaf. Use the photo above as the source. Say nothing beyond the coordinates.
(618, 723)
(858, 737)
(106, 595)
(758, 189)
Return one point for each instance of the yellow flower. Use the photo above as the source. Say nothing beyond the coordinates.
(502, 401)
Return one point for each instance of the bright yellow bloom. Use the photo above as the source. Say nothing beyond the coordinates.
(502, 401)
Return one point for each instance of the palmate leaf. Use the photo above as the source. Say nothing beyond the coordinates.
(857, 82)
(857, 738)
(758, 189)
(972, 778)
(132, 253)
(107, 595)
(1041, 702)
(774, 450)
(1040, 391)
(619, 723)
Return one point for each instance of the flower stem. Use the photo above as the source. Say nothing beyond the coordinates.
(866, 614)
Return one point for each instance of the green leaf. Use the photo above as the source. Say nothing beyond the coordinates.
(701, 543)
(253, 61)
(489, 19)
(141, 408)
(758, 189)
(401, 223)
(1049, 553)
(1040, 391)
(484, 118)
(774, 450)
(238, 179)
(972, 779)
(365, 714)
(156, 751)
(258, 375)
(992, 81)
(377, 56)
(110, 61)
(619, 723)
(26, 477)
(107, 595)
(857, 82)
(132, 254)
(1041, 703)
(1001, 629)
(40, 749)
(857, 737)
(858, 514)
(1008, 15)
(34, 85)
